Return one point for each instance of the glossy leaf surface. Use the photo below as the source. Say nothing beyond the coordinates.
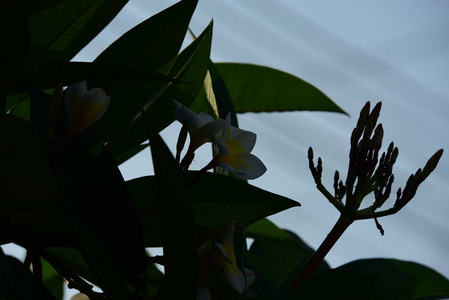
(215, 199)
(256, 88)
(60, 31)
(52, 280)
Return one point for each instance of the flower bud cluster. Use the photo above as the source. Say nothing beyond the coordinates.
(368, 174)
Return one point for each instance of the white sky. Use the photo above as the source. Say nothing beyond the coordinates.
(396, 52)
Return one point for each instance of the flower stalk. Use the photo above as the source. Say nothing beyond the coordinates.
(367, 173)
(334, 235)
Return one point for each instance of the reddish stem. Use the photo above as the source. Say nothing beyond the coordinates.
(333, 236)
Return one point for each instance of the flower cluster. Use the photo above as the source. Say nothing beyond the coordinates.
(233, 145)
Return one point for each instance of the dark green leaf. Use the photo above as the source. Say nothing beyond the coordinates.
(12, 101)
(276, 256)
(32, 7)
(16, 281)
(52, 280)
(15, 44)
(372, 279)
(50, 75)
(100, 212)
(93, 198)
(206, 98)
(125, 156)
(107, 269)
(60, 31)
(222, 98)
(178, 239)
(27, 184)
(219, 198)
(215, 199)
(149, 46)
(29, 189)
(22, 110)
(155, 279)
(262, 89)
(154, 43)
(190, 67)
(111, 222)
(265, 230)
(73, 259)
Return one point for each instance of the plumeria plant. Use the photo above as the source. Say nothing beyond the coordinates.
(67, 126)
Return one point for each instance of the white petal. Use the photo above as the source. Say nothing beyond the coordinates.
(93, 105)
(245, 165)
(73, 92)
(226, 129)
(237, 168)
(97, 94)
(205, 118)
(233, 131)
(209, 130)
(222, 148)
(228, 120)
(177, 104)
(205, 133)
(97, 100)
(236, 279)
(250, 276)
(243, 141)
(84, 108)
(185, 115)
(223, 251)
(255, 167)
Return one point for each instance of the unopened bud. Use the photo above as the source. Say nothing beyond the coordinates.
(84, 108)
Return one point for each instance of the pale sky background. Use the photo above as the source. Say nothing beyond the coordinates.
(396, 52)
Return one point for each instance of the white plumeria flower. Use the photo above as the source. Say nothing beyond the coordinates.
(220, 253)
(227, 260)
(234, 146)
(250, 276)
(84, 108)
(201, 127)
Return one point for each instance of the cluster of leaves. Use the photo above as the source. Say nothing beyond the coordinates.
(65, 201)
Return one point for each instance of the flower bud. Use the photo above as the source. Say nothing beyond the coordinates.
(84, 108)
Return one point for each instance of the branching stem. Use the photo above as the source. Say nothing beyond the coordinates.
(338, 205)
(339, 228)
